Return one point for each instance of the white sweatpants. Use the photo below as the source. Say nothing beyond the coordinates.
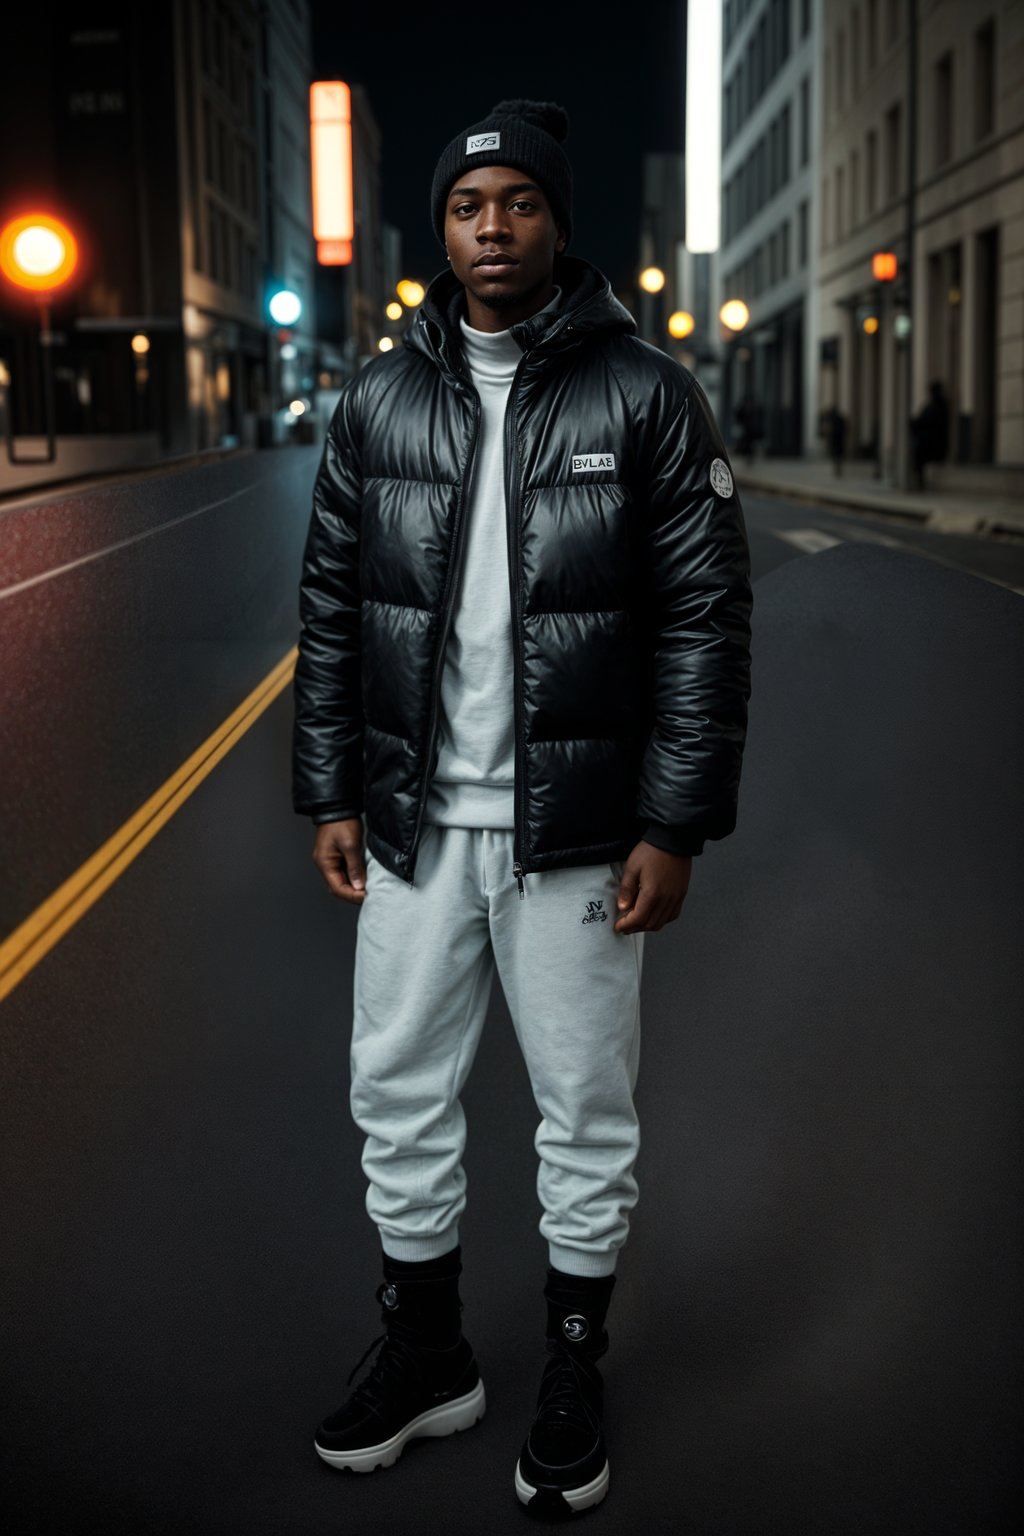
(425, 960)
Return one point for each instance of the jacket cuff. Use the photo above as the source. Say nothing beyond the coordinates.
(673, 839)
(319, 817)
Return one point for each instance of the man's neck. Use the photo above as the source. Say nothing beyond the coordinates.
(482, 318)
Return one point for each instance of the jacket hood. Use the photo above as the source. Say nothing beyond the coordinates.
(587, 305)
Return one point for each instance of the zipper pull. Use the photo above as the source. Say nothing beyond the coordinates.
(517, 870)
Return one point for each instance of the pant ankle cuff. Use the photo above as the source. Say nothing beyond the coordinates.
(416, 1249)
(574, 1261)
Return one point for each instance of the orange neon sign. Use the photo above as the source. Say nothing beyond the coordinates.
(330, 128)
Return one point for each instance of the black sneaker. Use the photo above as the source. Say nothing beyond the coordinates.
(563, 1466)
(412, 1389)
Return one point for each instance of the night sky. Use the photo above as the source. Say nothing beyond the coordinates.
(619, 71)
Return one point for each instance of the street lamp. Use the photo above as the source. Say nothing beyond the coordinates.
(884, 267)
(38, 254)
(733, 315)
(410, 293)
(651, 281)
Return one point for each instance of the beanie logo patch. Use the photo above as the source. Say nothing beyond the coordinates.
(479, 141)
(592, 461)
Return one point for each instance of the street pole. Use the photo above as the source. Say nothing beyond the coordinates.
(906, 391)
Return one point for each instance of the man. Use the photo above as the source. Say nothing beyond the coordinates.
(525, 660)
(929, 432)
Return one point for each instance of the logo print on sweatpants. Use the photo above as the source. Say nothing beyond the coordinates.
(576, 1326)
(595, 912)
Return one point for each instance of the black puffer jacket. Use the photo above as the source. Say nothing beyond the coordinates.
(629, 588)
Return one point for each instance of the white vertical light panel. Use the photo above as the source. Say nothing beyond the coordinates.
(703, 123)
(330, 122)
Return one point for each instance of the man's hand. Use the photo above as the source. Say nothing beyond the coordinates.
(338, 855)
(653, 889)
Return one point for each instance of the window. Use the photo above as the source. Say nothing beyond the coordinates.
(893, 151)
(854, 188)
(892, 31)
(984, 79)
(840, 70)
(209, 163)
(855, 51)
(784, 258)
(785, 144)
(871, 27)
(871, 171)
(805, 17)
(840, 205)
(824, 212)
(802, 232)
(827, 84)
(805, 119)
(943, 120)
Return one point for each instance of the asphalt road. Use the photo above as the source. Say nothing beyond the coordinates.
(816, 1323)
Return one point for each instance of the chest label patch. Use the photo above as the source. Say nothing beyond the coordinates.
(478, 141)
(581, 462)
(721, 478)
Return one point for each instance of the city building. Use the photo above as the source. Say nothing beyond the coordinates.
(175, 144)
(767, 258)
(923, 158)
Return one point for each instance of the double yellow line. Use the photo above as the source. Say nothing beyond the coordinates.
(37, 935)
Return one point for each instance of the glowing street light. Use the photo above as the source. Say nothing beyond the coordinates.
(883, 266)
(385, 344)
(652, 279)
(410, 293)
(680, 324)
(394, 310)
(37, 252)
(140, 344)
(285, 306)
(734, 314)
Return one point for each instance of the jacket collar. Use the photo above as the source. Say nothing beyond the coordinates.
(587, 306)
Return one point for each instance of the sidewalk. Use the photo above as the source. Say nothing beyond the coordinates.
(948, 510)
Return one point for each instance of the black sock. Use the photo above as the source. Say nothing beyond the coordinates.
(430, 1306)
(445, 1264)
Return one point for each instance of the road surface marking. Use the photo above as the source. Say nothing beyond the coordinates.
(811, 540)
(37, 935)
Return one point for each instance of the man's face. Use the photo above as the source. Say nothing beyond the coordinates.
(497, 209)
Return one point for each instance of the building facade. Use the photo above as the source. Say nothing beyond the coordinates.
(923, 157)
(767, 256)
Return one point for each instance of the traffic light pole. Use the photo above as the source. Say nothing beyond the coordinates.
(46, 344)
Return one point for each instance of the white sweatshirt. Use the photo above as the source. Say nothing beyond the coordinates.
(475, 776)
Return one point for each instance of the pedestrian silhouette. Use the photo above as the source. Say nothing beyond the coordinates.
(929, 432)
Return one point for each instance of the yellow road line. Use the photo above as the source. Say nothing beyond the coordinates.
(33, 938)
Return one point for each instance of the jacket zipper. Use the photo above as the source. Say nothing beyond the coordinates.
(448, 606)
(512, 523)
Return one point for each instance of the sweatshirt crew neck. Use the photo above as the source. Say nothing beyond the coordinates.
(474, 781)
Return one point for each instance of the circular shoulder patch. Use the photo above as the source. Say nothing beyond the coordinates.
(721, 478)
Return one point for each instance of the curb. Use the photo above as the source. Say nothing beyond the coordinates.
(938, 519)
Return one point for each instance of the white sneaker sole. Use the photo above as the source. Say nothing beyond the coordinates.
(576, 1498)
(460, 1413)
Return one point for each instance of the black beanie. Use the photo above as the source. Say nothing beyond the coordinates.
(526, 134)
